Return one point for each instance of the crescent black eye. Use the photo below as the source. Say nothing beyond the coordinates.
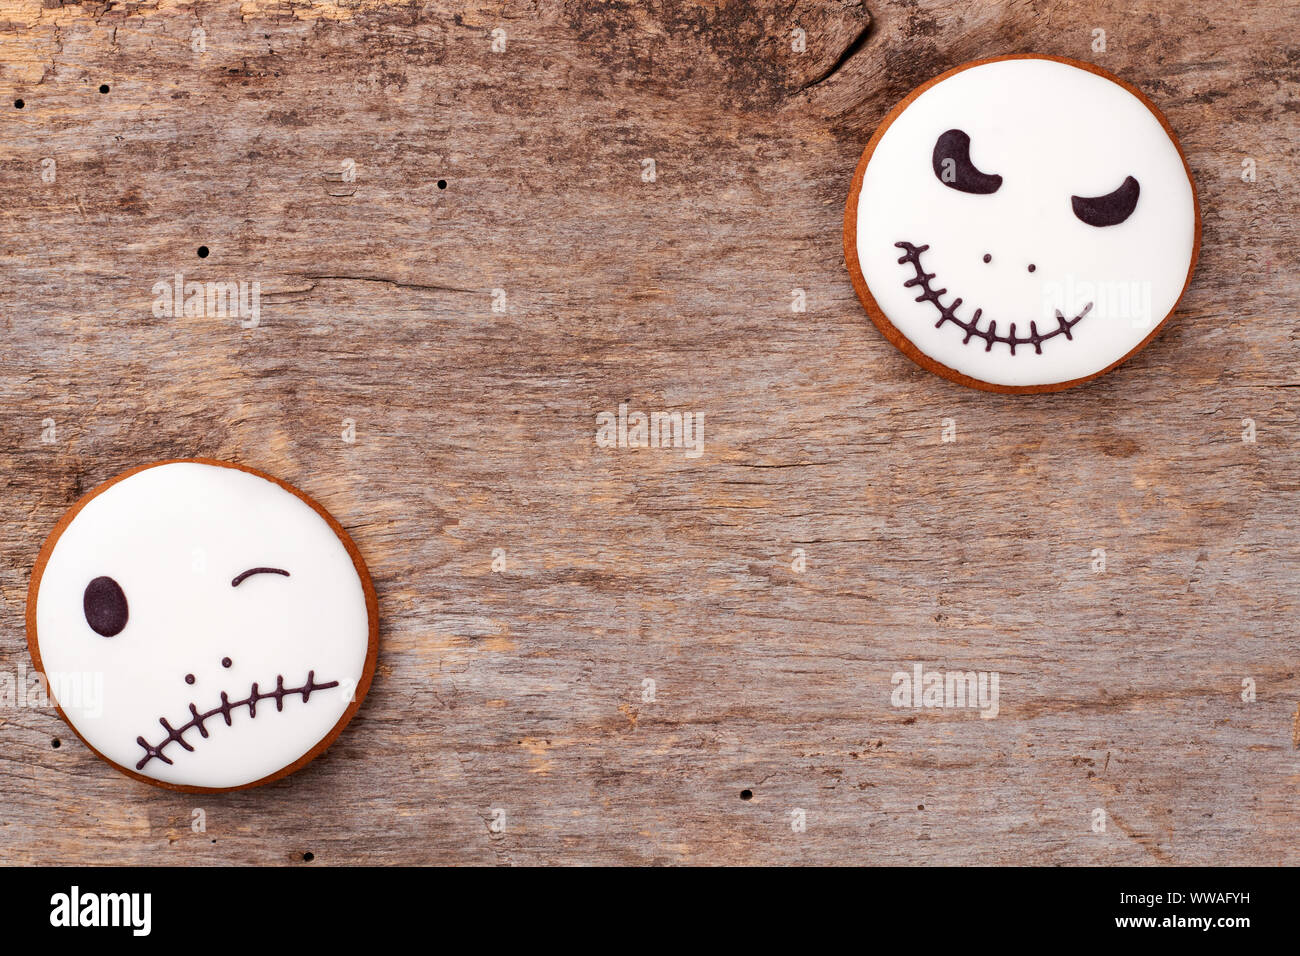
(951, 161)
(1110, 209)
(105, 606)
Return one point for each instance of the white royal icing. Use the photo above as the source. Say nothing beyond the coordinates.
(174, 537)
(1051, 131)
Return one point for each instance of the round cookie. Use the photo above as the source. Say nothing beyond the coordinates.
(203, 626)
(1022, 223)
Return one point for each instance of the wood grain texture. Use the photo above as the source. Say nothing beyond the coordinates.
(522, 690)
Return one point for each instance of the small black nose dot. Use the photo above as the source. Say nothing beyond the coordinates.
(987, 257)
(203, 252)
(19, 104)
(1032, 267)
(308, 856)
(189, 678)
(442, 184)
(747, 794)
(226, 662)
(103, 87)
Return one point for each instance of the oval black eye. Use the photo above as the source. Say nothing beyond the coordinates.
(951, 161)
(1110, 209)
(105, 606)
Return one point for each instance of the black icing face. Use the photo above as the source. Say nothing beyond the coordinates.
(1021, 223)
(105, 607)
(953, 167)
(202, 626)
(104, 603)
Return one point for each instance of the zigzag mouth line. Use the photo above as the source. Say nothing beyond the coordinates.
(177, 734)
(948, 313)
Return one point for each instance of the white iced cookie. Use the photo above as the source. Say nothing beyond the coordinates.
(1022, 224)
(203, 626)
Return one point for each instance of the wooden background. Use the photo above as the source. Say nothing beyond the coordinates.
(522, 690)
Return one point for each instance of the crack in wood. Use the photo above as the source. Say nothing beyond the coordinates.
(842, 60)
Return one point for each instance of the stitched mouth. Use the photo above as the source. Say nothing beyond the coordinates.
(177, 734)
(948, 313)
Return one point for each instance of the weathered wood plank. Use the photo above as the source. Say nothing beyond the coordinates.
(523, 690)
